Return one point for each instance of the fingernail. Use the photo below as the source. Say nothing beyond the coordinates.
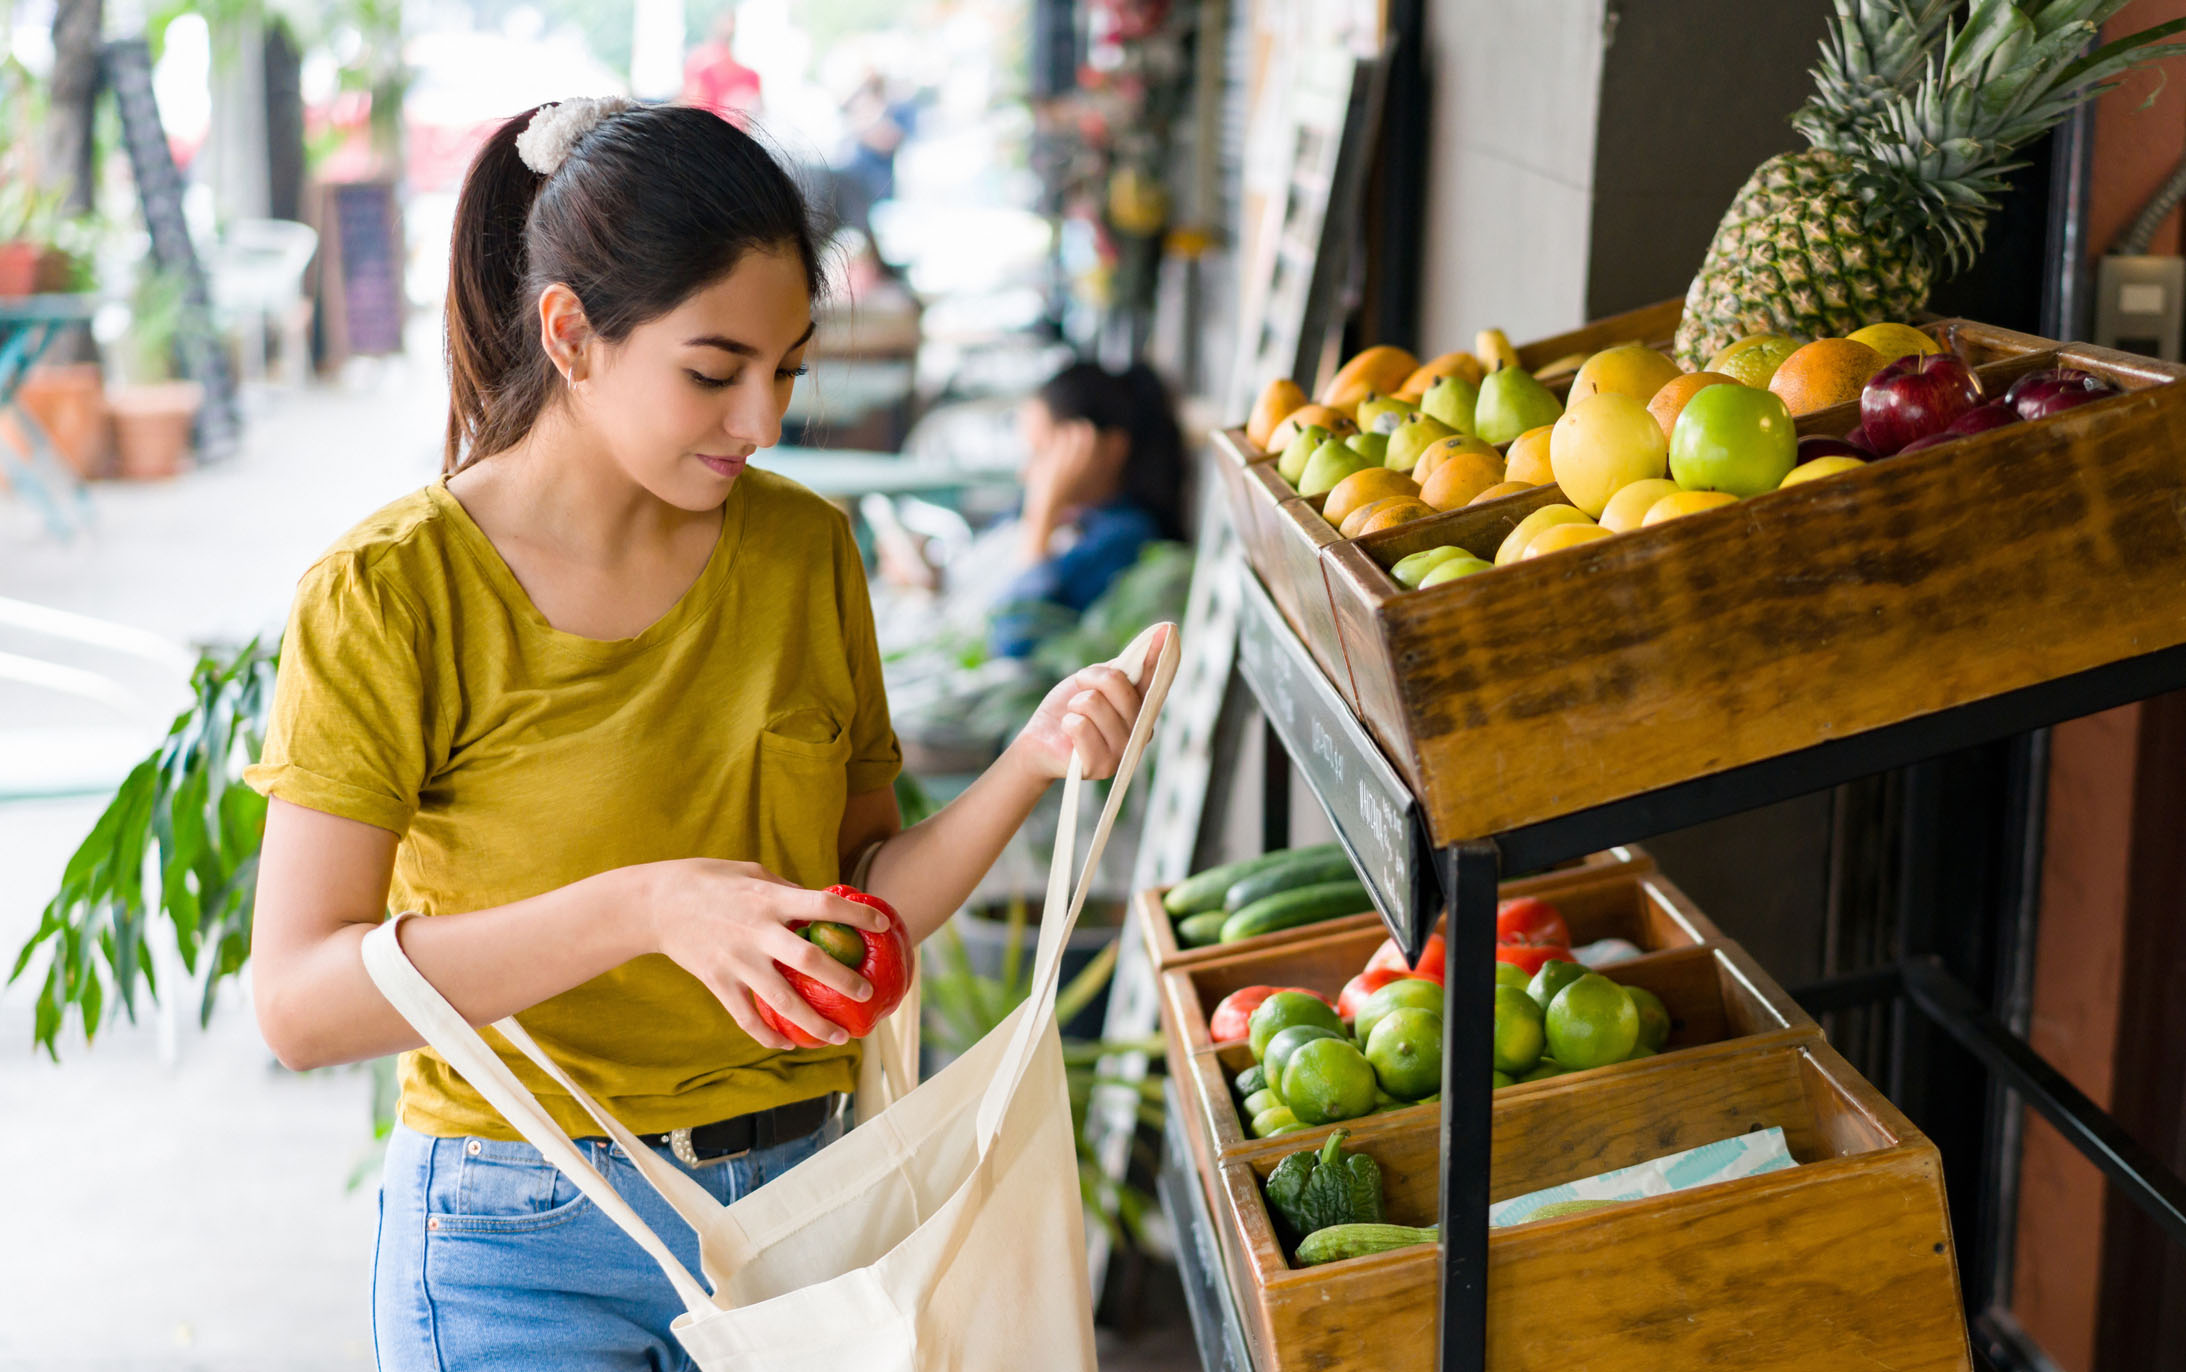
(838, 1037)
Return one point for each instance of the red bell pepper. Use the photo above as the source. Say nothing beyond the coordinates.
(1531, 921)
(886, 966)
(1528, 957)
(1430, 964)
(1232, 1017)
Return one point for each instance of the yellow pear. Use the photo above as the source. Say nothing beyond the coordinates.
(1547, 517)
(1603, 443)
(1632, 369)
(1684, 503)
(1629, 506)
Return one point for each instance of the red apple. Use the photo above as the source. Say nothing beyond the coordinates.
(2062, 388)
(1822, 445)
(1981, 418)
(1858, 439)
(1929, 442)
(1915, 396)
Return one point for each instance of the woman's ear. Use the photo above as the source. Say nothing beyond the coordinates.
(564, 332)
(1112, 447)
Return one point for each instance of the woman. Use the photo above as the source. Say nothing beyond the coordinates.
(606, 703)
(1104, 476)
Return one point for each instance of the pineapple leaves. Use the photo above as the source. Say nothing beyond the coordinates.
(184, 816)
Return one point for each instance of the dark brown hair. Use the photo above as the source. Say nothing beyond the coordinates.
(1137, 402)
(652, 204)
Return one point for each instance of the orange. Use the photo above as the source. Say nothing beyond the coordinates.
(1669, 402)
(1383, 369)
(1458, 480)
(1826, 372)
(1337, 423)
(1363, 488)
(1354, 523)
(1527, 460)
(1402, 510)
(1499, 491)
(1282, 397)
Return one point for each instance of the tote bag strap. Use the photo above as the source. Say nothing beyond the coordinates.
(428, 1012)
(1059, 913)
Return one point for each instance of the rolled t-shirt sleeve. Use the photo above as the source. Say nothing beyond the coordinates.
(352, 718)
(875, 756)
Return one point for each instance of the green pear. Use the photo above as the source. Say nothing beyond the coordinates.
(1376, 411)
(1511, 402)
(1330, 463)
(1370, 445)
(1455, 569)
(1292, 464)
(1451, 399)
(1409, 570)
(1412, 438)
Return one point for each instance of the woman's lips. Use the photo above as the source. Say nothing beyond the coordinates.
(722, 466)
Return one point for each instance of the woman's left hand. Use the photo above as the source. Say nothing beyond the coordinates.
(1090, 712)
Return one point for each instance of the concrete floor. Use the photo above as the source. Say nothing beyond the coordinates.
(169, 1198)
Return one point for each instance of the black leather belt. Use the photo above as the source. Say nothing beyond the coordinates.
(724, 1140)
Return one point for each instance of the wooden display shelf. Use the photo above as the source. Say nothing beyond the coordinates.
(1717, 997)
(1159, 931)
(1844, 1261)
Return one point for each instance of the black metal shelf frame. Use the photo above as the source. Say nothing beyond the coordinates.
(1379, 822)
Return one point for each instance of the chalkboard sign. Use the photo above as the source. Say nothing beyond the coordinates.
(360, 231)
(126, 65)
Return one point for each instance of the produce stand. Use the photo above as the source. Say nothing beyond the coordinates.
(1654, 681)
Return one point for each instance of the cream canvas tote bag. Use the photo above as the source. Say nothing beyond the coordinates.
(943, 1232)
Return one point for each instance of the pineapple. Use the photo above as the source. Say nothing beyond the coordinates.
(1911, 128)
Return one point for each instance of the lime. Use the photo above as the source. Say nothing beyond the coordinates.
(1547, 1067)
(1260, 1100)
(1519, 1037)
(1269, 1120)
(1643, 1051)
(1329, 1080)
(1554, 976)
(838, 941)
(1405, 993)
(1284, 1009)
(1405, 1050)
(1592, 1023)
(1286, 1043)
(1511, 974)
(1503, 1079)
(1654, 1017)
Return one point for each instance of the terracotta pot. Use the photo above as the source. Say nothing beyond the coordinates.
(69, 402)
(18, 267)
(152, 428)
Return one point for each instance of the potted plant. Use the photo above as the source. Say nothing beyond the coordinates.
(153, 410)
(18, 250)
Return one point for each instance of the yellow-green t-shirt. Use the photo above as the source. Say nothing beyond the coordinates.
(422, 692)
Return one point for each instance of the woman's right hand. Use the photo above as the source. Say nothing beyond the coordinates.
(727, 923)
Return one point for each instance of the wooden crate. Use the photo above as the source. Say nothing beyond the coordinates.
(1159, 932)
(1842, 1262)
(1866, 599)
(1717, 997)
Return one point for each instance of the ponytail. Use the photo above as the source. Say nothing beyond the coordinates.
(1137, 402)
(487, 371)
(648, 206)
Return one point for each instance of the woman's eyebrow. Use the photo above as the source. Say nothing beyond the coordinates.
(741, 349)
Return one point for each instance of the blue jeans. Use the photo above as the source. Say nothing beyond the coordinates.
(490, 1259)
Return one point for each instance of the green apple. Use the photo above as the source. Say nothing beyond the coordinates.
(1413, 437)
(1604, 443)
(1511, 402)
(1454, 569)
(1370, 445)
(1409, 570)
(1734, 439)
(1331, 463)
(1380, 413)
(1292, 464)
(1451, 399)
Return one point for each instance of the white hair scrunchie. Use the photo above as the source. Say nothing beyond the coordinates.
(554, 129)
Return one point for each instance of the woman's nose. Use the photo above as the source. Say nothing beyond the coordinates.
(756, 419)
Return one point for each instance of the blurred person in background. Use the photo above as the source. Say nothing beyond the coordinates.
(713, 79)
(876, 127)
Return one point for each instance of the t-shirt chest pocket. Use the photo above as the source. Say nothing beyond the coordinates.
(799, 783)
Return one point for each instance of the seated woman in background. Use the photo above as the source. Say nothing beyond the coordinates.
(1104, 476)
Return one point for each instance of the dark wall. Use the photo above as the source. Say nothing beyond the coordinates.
(1695, 94)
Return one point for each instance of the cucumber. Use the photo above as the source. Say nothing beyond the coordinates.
(1315, 870)
(1308, 905)
(1197, 931)
(1340, 1241)
(1253, 1078)
(1203, 892)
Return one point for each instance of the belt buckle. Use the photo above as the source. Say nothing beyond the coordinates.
(679, 1143)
